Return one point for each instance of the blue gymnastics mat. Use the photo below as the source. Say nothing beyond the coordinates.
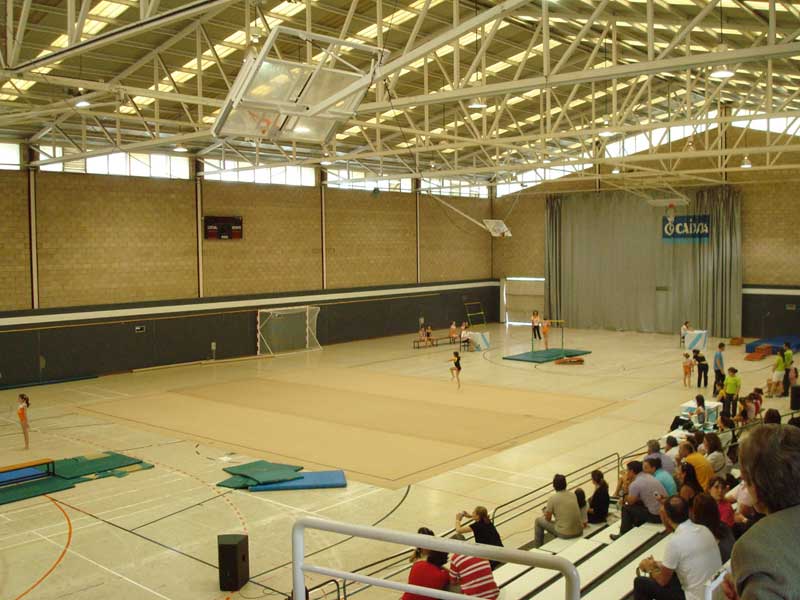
(543, 356)
(21, 475)
(309, 481)
(776, 342)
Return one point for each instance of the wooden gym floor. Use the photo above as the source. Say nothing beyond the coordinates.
(415, 449)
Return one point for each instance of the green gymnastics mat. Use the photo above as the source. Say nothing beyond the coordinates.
(121, 472)
(258, 472)
(31, 489)
(79, 466)
(543, 356)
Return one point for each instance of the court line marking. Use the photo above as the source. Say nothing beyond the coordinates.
(64, 550)
(108, 569)
(516, 485)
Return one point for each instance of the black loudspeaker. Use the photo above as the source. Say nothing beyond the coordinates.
(234, 562)
(795, 398)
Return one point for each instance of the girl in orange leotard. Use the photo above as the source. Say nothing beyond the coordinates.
(23, 402)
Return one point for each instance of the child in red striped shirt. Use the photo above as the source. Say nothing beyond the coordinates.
(473, 575)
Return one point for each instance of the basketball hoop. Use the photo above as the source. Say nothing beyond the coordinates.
(671, 212)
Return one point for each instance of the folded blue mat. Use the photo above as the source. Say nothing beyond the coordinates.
(309, 481)
(24, 474)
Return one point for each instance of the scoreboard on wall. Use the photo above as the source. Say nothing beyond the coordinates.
(222, 228)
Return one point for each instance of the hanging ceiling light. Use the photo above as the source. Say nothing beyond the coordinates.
(477, 103)
(181, 148)
(721, 71)
(82, 103)
(746, 164)
(606, 132)
(326, 159)
(615, 171)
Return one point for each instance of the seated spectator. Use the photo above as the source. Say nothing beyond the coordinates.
(763, 564)
(702, 468)
(746, 410)
(598, 503)
(688, 486)
(705, 512)
(794, 422)
(691, 558)
(715, 456)
(699, 410)
(772, 417)
(697, 438)
(725, 430)
(652, 466)
(580, 495)
(654, 451)
(472, 574)
(481, 527)
(671, 447)
(562, 515)
(717, 488)
(641, 503)
(745, 514)
(453, 333)
(429, 573)
(420, 553)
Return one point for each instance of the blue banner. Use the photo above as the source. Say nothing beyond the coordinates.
(686, 228)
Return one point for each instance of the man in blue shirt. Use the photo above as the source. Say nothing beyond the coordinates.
(719, 366)
(653, 467)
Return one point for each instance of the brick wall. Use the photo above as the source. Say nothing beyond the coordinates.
(281, 247)
(452, 248)
(106, 240)
(15, 258)
(371, 240)
(523, 253)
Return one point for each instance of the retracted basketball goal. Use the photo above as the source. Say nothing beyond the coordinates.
(272, 97)
(287, 330)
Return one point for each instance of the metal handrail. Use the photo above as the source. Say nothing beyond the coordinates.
(531, 559)
(326, 583)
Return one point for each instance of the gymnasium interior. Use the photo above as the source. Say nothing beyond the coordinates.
(282, 282)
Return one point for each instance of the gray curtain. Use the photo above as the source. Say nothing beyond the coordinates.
(552, 263)
(614, 271)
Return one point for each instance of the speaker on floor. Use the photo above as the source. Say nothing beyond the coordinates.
(795, 398)
(234, 561)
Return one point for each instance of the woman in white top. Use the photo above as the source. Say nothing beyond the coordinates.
(684, 331)
(715, 455)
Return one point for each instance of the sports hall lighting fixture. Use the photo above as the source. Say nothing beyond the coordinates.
(82, 104)
(326, 162)
(746, 164)
(721, 71)
(477, 103)
(615, 171)
(181, 148)
(606, 132)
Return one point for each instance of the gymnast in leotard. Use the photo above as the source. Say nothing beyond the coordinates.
(455, 370)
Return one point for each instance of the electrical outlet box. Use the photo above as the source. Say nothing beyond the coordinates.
(213, 346)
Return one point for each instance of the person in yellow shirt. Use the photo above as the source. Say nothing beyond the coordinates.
(702, 468)
(732, 387)
(788, 358)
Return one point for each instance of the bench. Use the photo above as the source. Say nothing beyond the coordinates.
(27, 471)
(600, 563)
(505, 574)
(522, 587)
(620, 584)
(418, 343)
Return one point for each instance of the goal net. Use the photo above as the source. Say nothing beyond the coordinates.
(284, 330)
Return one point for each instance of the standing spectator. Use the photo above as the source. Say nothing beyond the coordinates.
(536, 325)
(687, 478)
(702, 367)
(691, 558)
(775, 382)
(481, 527)
(671, 447)
(732, 386)
(428, 572)
(598, 503)
(654, 451)
(763, 565)
(719, 365)
(641, 502)
(717, 489)
(684, 331)
(705, 511)
(652, 466)
(788, 359)
(562, 515)
(472, 574)
(715, 456)
(702, 467)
